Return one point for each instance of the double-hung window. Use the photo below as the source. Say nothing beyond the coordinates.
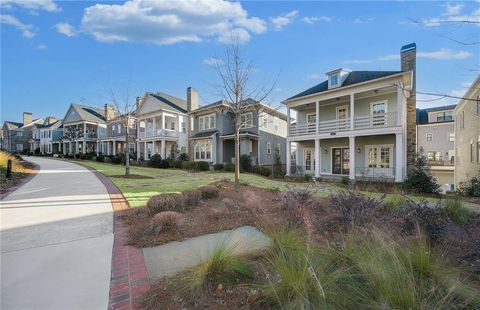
(246, 120)
(269, 148)
(206, 122)
(444, 116)
(311, 118)
(276, 122)
(429, 137)
(451, 137)
(378, 110)
(265, 121)
(379, 156)
(203, 150)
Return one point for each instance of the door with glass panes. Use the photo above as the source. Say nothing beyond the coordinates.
(340, 160)
(309, 160)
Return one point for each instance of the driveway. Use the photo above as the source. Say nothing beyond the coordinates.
(56, 240)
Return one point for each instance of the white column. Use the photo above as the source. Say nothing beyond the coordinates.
(108, 148)
(352, 157)
(398, 158)
(84, 138)
(317, 116)
(163, 120)
(138, 151)
(400, 98)
(70, 151)
(97, 148)
(317, 158)
(145, 155)
(352, 112)
(162, 149)
(177, 124)
(114, 148)
(154, 125)
(288, 127)
(289, 147)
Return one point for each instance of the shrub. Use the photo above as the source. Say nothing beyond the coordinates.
(355, 209)
(100, 158)
(277, 170)
(218, 167)
(209, 192)
(37, 151)
(245, 163)
(420, 179)
(230, 167)
(395, 202)
(471, 187)
(262, 170)
(116, 160)
(202, 166)
(155, 161)
(431, 219)
(188, 165)
(164, 164)
(192, 197)
(166, 202)
(182, 157)
(167, 220)
(456, 211)
(345, 180)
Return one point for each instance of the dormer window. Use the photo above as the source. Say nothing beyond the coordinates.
(337, 77)
(334, 80)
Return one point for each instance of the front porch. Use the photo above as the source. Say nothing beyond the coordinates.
(147, 148)
(356, 157)
(114, 146)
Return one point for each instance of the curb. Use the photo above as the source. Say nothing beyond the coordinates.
(129, 279)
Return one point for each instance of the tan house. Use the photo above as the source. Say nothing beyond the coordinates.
(356, 124)
(467, 134)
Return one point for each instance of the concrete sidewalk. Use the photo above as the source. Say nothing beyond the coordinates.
(56, 240)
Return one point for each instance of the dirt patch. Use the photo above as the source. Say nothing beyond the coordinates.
(131, 176)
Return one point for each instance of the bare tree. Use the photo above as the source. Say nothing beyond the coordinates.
(239, 92)
(126, 106)
(72, 134)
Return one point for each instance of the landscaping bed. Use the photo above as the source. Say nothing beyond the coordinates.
(21, 169)
(398, 253)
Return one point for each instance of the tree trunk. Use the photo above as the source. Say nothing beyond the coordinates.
(237, 160)
(127, 151)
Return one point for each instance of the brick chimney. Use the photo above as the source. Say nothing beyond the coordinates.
(109, 112)
(27, 118)
(138, 101)
(192, 105)
(408, 62)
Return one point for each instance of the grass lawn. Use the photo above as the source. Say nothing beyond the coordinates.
(138, 191)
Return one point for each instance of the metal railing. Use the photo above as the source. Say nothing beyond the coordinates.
(375, 173)
(388, 119)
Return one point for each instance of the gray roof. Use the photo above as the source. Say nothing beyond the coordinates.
(172, 101)
(353, 77)
(422, 114)
(204, 134)
(92, 114)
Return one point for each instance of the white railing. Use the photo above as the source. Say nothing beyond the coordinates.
(376, 121)
(362, 122)
(158, 133)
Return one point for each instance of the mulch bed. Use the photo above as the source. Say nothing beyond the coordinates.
(7, 186)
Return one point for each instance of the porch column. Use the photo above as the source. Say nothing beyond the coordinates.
(400, 100)
(317, 116)
(352, 112)
(154, 126)
(97, 148)
(289, 154)
(70, 151)
(162, 149)
(288, 123)
(145, 155)
(138, 151)
(84, 138)
(352, 157)
(114, 148)
(108, 148)
(317, 158)
(398, 157)
(64, 148)
(177, 123)
(163, 120)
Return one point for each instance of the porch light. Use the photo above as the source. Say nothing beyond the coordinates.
(359, 150)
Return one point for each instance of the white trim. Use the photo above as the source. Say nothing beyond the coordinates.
(331, 157)
(204, 143)
(312, 159)
(385, 102)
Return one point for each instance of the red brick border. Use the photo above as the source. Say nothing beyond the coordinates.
(129, 279)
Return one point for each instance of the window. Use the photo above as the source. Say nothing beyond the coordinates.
(451, 137)
(172, 125)
(119, 128)
(203, 150)
(462, 120)
(434, 156)
(250, 146)
(293, 152)
(334, 80)
(429, 137)
(269, 148)
(246, 119)
(265, 121)
(379, 156)
(472, 152)
(276, 122)
(19, 147)
(19, 133)
(311, 118)
(206, 122)
(372, 157)
(478, 152)
(277, 148)
(451, 156)
(378, 110)
(444, 116)
(183, 126)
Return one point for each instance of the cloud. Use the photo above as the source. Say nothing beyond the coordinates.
(357, 61)
(315, 19)
(390, 57)
(41, 47)
(66, 29)
(168, 22)
(283, 20)
(315, 76)
(26, 29)
(34, 5)
(453, 9)
(452, 16)
(362, 21)
(212, 61)
(441, 54)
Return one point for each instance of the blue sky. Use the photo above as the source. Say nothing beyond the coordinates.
(55, 53)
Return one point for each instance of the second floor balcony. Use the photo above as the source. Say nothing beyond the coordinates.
(158, 133)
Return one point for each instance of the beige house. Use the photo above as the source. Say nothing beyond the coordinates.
(467, 134)
(112, 140)
(357, 124)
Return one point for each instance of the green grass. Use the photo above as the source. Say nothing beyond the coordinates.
(457, 211)
(138, 191)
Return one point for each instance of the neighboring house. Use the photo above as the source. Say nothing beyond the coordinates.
(161, 122)
(358, 124)
(467, 134)
(113, 140)
(212, 132)
(436, 138)
(81, 127)
(51, 133)
(17, 136)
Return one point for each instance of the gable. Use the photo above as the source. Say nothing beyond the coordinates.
(72, 116)
(148, 105)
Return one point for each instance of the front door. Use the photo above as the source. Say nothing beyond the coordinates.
(309, 159)
(340, 160)
(342, 117)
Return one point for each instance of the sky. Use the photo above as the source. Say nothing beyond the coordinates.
(54, 53)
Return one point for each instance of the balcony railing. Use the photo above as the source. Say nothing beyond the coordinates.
(376, 173)
(158, 133)
(333, 126)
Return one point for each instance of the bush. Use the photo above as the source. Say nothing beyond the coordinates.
(431, 219)
(100, 158)
(229, 167)
(192, 197)
(456, 211)
(218, 167)
(166, 202)
(155, 161)
(167, 220)
(116, 159)
(245, 163)
(395, 202)
(209, 192)
(345, 180)
(37, 151)
(202, 166)
(277, 166)
(355, 208)
(182, 157)
(420, 179)
(262, 170)
(188, 165)
(471, 187)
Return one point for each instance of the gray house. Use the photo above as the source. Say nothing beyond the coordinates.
(211, 132)
(16, 137)
(436, 137)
